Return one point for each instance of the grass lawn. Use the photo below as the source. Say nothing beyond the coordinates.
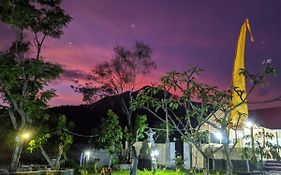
(167, 172)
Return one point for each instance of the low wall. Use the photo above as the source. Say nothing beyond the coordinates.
(45, 172)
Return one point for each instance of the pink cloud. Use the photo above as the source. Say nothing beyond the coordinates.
(80, 57)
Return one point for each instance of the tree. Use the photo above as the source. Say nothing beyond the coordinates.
(24, 76)
(181, 111)
(118, 76)
(53, 135)
(261, 148)
(196, 106)
(137, 133)
(110, 135)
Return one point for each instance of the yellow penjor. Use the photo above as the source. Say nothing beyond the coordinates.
(238, 103)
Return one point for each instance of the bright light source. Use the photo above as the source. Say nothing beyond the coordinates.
(87, 155)
(240, 134)
(25, 135)
(249, 124)
(218, 135)
(154, 153)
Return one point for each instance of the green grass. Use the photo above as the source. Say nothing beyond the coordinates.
(159, 172)
(150, 173)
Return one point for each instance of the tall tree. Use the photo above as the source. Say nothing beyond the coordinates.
(110, 135)
(117, 76)
(23, 74)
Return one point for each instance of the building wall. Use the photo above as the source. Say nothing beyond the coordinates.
(166, 152)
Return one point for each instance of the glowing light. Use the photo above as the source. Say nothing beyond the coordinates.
(87, 155)
(154, 153)
(26, 135)
(218, 135)
(249, 124)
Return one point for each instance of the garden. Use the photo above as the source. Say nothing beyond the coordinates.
(185, 108)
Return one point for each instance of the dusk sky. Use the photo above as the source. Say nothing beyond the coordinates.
(181, 33)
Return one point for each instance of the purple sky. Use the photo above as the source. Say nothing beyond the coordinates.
(181, 33)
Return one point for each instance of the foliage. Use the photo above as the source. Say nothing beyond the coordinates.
(83, 172)
(35, 143)
(161, 132)
(117, 75)
(89, 168)
(262, 148)
(195, 107)
(140, 126)
(53, 135)
(208, 100)
(55, 129)
(24, 75)
(110, 135)
(159, 172)
(39, 16)
(179, 162)
(137, 132)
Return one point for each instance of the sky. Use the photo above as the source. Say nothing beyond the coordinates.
(181, 33)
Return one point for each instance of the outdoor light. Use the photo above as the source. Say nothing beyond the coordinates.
(249, 124)
(26, 135)
(87, 154)
(218, 135)
(154, 153)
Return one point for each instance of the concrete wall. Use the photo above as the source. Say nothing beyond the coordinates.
(166, 157)
(102, 155)
(167, 153)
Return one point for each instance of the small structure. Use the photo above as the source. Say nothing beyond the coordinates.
(150, 139)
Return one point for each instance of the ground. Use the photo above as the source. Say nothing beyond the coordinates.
(149, 173)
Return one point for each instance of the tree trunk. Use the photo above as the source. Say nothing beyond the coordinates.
(229, 166)
(128, 114)
(206, 166)
(16, 153)
(261, 165)
(48, 159)
(248, 165)
(110, 160)
(135, 162)
(60, 151)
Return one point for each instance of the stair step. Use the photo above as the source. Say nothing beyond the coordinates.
(274, 168)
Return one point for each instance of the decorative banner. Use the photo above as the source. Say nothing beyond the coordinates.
(238, 103)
